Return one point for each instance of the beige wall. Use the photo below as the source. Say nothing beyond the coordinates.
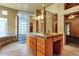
(48, 22)
(12, 14)
(40, 24)
(60, 18)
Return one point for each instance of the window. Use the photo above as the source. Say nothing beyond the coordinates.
(4, 12)
(3, 26)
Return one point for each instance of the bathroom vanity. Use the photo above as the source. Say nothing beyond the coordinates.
(46, 45)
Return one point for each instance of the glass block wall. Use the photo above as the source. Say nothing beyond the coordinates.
(23, 26)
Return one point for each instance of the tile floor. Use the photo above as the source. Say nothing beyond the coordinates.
(16, 49)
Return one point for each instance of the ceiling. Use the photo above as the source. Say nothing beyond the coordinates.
(28, 7)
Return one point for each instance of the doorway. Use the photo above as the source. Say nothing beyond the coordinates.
(31, 27)
(67, 31)
(72, 29)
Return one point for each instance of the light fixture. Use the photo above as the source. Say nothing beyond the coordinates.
(43, 5)
(41, 16)
(38, 17)
(71, 16)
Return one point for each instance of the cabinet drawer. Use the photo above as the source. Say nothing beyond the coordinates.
(39, 53)
(41, 45)
(41, 50)
(56, 38)
(33, 41)
(41, 40)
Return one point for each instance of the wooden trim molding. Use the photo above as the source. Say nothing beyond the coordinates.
(52, 24)
(70, 5)
(44, 21)
(37, 25)
(37, 22)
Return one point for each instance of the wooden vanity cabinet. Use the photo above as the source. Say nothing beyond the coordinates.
(46, 46)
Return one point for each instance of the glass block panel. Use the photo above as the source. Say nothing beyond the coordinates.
(23, 26)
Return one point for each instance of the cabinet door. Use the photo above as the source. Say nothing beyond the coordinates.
(40, 46)
(58, 44)
(49, 47)
(33, 45)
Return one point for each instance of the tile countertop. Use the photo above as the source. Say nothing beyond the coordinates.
(46, 35)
